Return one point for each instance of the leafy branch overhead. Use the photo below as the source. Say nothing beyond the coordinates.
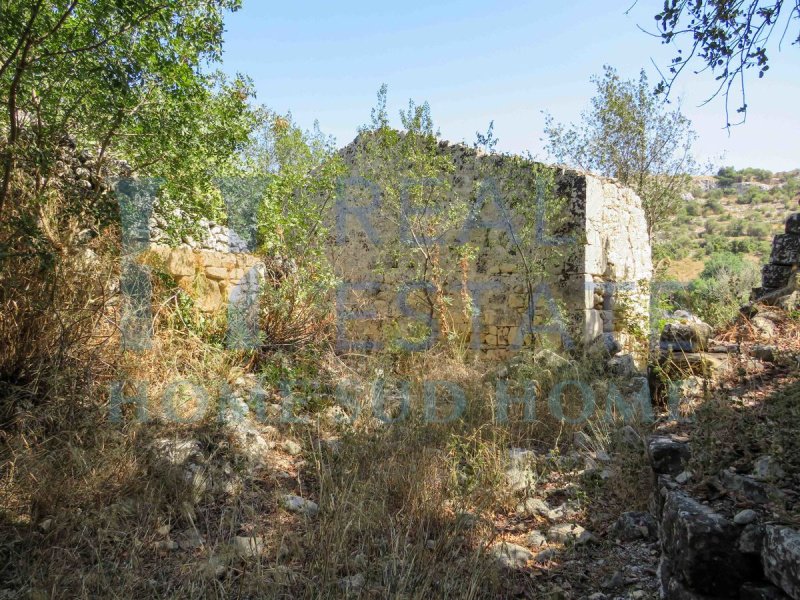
(728, 38)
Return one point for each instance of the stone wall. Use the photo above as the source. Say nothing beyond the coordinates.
(581, 259)
(567, 271)
(714, 550)
(779, 277)
(210, 277)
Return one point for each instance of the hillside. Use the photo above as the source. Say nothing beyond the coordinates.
(734, 211)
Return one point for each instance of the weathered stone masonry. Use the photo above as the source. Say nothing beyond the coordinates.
(595, 260)
(594, 270)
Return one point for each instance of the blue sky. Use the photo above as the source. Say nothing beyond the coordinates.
(481, 61)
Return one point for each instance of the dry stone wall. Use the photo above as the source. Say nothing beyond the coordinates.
(564, 264)
(209, 276)
(574, 258)
(779, 277)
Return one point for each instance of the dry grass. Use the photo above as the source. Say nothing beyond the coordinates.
(414, 508)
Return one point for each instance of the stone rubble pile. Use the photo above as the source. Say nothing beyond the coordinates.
(706, 555)
(214, 237)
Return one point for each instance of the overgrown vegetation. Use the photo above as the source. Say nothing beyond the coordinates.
(162, 471)
(630, 135)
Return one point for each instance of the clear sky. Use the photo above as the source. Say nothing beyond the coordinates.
(481, 61)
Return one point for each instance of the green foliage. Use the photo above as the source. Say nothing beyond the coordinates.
(299, 171)
(722, 287)
(128, 78)
(758, 230)
(630, 135)
(728, 37)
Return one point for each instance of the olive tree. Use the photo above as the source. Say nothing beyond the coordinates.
(630, 134)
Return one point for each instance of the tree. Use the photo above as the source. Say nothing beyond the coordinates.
(630, 135)
(124, 72)
(729, 37)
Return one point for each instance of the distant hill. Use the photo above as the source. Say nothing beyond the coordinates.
(733, 211)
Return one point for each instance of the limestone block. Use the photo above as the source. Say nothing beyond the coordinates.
(667, 456)
(217, 273)
(181, 262)
(701, 547)
(780, 557)
(793, 224)
(775, 276)
(208, 297)
(593, 324)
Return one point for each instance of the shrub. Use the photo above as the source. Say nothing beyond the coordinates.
(758, 230)
(714, 205)
(722, 287)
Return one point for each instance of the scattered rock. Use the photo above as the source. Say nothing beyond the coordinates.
(190, 539)
(177, 452)
(622, 365)
(566, 532)
(668, 456)
(765, 468)
(214, 568)
(545, 556)
(780, 556)
(687, 334)
(248, 546)
(511, 555)
(165, 545)
(292, 447)
(748, 487)
(745, 517)
(763, 326)
(536, 538)
(248, 439)
(632, 526)
(761, 591)
(763, 352)
(352, 583)
(614, 581)
(520, 479)
(533, 507)
(604, 345)
(300, 505)
(683, 477)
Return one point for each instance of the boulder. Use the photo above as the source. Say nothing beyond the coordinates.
(793, 224)
(751, 539)
(300, 505)
(775, 276)
(744, 485)
(632, 526)
(686, 335)
(780, 557)
(702, 547)
(604, 345)
(766, 468)
(668, 456)
(761, 591)
(568, 532)
(511, 556)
